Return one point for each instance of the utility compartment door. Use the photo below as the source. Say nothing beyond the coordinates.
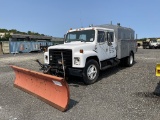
(125, 47)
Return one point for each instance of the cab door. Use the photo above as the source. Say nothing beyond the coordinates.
(102, 46)
(111, 44)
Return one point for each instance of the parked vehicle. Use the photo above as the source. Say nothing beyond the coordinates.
(151, 44)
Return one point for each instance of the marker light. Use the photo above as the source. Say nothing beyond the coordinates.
(81, 50)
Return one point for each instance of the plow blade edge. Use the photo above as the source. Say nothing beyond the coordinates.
(51, 89)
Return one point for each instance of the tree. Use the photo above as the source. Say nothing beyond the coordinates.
(3, 30)
(13, 31)
(29, 32)
(7, 36)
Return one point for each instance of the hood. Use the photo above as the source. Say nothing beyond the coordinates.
(75, 46)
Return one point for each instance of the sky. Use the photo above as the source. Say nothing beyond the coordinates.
(55, 17)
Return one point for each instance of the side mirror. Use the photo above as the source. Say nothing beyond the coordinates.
(108, 38)
(109, 42)
(64, 36)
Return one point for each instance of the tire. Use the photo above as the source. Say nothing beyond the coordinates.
(91, 72)
(122, 62)
(129, 60)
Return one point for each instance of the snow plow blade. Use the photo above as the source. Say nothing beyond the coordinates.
(51, 89)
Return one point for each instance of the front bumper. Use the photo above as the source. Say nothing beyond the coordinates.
(75, 72)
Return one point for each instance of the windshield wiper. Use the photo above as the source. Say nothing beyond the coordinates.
(80, 40)
(76, 40)
(67, 41)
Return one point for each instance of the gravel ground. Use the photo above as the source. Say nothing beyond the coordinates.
(120, 94)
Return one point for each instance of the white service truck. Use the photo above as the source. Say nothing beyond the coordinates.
(87, 51)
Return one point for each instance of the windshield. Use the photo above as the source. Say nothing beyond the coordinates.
(83, 36)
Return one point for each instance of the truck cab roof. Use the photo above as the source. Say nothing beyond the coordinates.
(90, 28)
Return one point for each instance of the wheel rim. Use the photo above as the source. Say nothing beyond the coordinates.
(131, 59)
(92, 72)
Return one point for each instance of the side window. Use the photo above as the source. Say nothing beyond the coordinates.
(101, 35)
(110, 36)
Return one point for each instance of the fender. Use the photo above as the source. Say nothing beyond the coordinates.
(83, 58)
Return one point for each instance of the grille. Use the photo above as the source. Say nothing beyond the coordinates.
(55, 55)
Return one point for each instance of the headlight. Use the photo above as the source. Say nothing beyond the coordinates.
(76, 60)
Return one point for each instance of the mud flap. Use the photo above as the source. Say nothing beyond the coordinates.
(51, 89)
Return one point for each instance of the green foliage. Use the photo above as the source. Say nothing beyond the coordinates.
(7, 36)
(142, 39)
(3, 30)
(42, 35)
(32, 33)
(2, 39)
(14, 31)
(29, 32)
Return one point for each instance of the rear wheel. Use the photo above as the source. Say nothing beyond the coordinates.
(91, 72)
(129, 60)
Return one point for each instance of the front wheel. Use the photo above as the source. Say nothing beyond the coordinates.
(91, 72)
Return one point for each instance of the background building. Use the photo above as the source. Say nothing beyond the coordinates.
(19, 43)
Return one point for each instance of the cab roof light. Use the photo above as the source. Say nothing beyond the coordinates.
(81, 50)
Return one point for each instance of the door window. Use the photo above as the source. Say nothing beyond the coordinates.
(110, 36)
(101, 35)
